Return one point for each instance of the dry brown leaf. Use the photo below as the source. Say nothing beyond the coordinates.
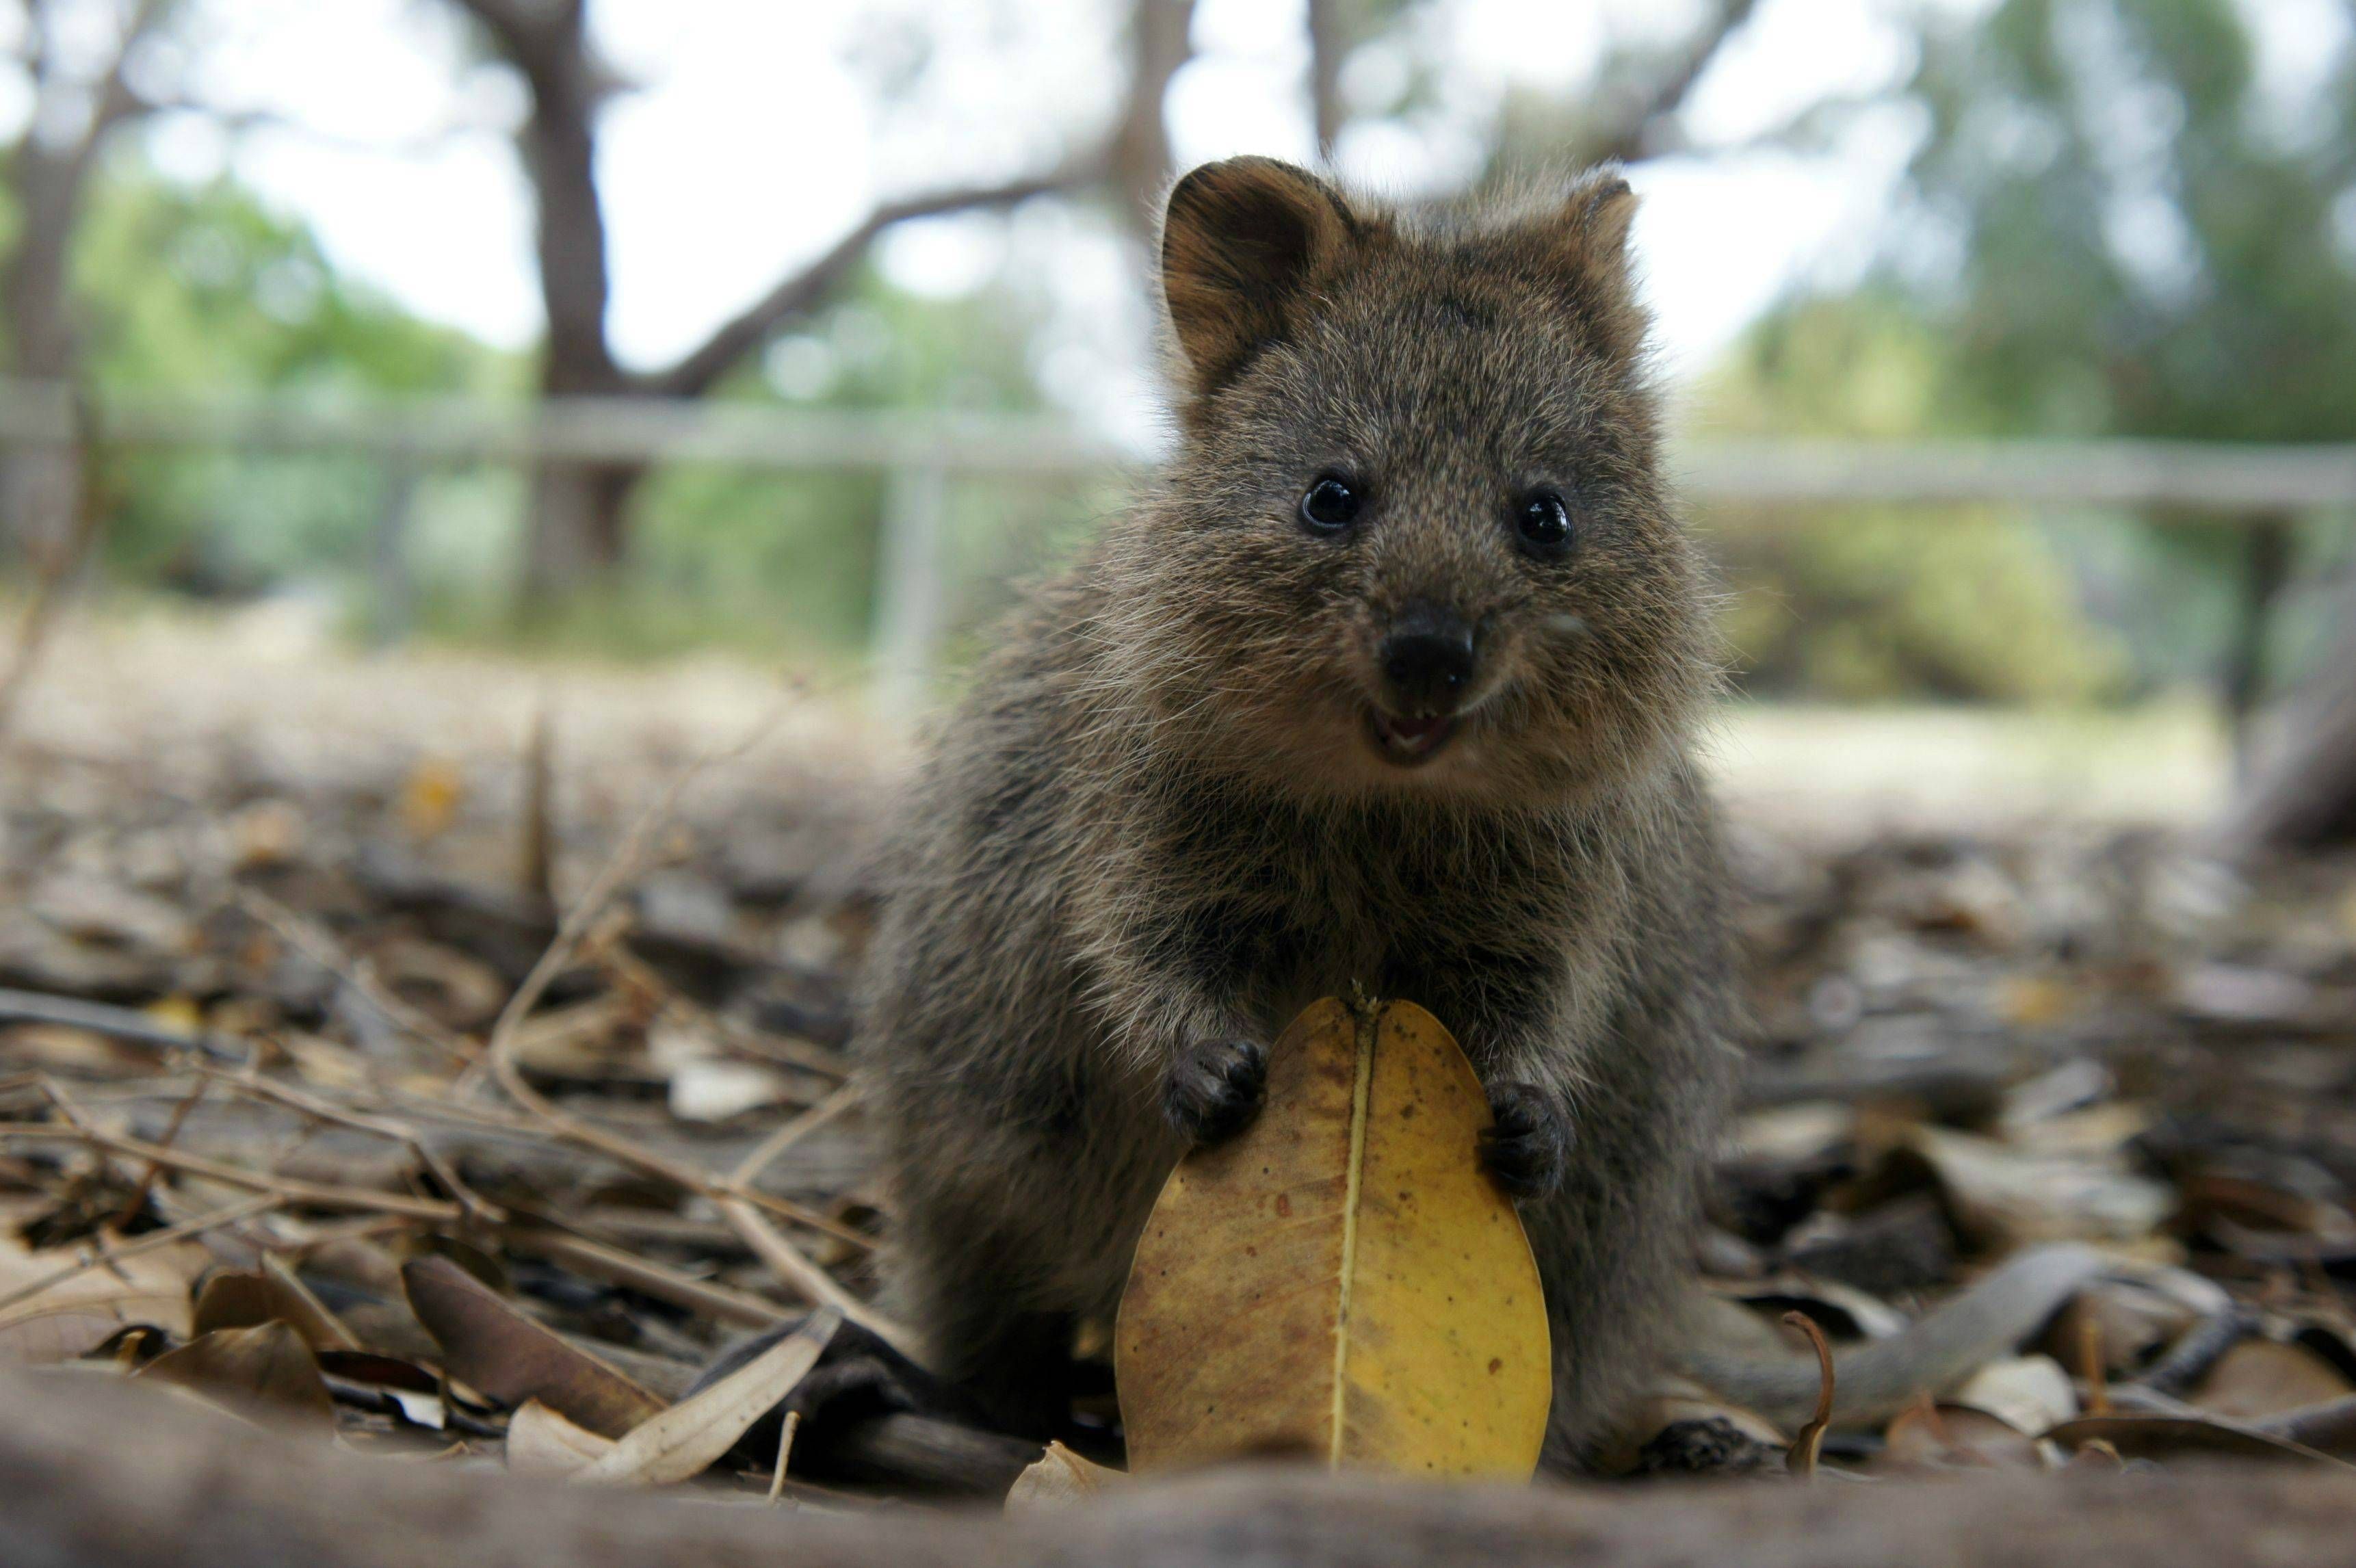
(684, 1439)
(543, 1444)
(492, 1347)
(1057, 1479)
(265, 1372)
(2261, 1376)
(1947, 1436)
(238, 1299)
(2139, 1436)
(1342, 1280)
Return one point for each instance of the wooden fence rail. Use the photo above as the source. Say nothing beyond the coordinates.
(922, 454)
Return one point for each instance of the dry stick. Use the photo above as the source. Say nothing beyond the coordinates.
(154, 1241)
(784, 1451)
(58, 565)
(330, 955)
(775, 1250)
(768, 1048)
(2092, 1365)
(613, 1265)
(476, 1205)
(1802, 1458)
(748, 1170)
(98, 1018)
(139, 1200)
(288, 1189)
(783, 1259)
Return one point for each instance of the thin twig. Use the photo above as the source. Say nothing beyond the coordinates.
(622, 865)
(322, 950)
(2092, 1365)
(785, 1209)
(138, 1198)
(500, 1058)
(807, 1280)
(785, 1453)
(479, 1207)
(1802, 1458)
(748, 1169)
(757, 1043)
(288, 1189)
(152, 1242)
(98, 1018)
(613, 1265)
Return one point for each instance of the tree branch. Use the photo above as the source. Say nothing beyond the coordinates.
(1628, 119)
(801, 291)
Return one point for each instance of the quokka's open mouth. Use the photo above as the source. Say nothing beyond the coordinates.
(1408, 742)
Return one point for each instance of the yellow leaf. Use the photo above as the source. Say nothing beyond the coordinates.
(179, 1014)
(431, 796)
(1342, 1281)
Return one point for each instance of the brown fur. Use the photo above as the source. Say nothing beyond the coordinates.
(1160, 821)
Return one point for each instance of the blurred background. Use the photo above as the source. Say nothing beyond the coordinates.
(2007, 340)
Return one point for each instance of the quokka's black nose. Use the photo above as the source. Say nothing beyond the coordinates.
(1427, 660)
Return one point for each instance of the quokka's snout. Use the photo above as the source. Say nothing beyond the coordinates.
(1429, 655)
(1427, 665)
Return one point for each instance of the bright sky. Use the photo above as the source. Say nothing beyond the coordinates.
(758, 130)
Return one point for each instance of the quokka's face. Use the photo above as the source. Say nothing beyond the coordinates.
(1414, 540)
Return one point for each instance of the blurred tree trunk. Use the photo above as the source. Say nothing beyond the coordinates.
(48, 175)
(1329, 43)
(578, 528)
(575, 532)
(1161, 42)
(2303, 797)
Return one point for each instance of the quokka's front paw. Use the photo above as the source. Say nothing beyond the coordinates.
(1215, 1089)
(1528, 1145)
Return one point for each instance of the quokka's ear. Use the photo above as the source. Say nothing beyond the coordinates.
(1243, 242)
(1599, 209)
(1590, 238)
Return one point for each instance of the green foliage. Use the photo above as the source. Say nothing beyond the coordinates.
(2142, 249)
(794, 555)
(785, 563)
(2113, 234)
(1878, 603)
(204, 290)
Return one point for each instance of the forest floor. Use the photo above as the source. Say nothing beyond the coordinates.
(295, 1036)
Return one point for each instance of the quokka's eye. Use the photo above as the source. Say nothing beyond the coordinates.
(1543, 524)
(1330, 505)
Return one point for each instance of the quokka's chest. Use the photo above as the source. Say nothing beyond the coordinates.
(1328, 908)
